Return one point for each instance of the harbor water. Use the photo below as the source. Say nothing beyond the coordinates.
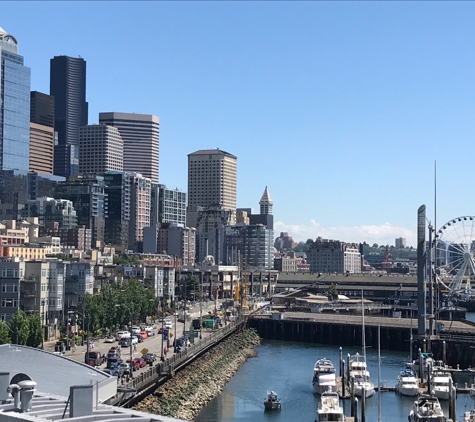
(287, 368)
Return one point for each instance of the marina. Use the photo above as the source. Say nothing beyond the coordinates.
(287, 368)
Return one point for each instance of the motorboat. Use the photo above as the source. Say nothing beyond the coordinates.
(440, 384)
(469, 416)
(324, 378)
(426, 409)
(272, 402)
(360, 373)
(407, 383)
(329, 408)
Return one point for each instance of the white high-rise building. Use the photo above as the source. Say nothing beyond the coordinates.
(140, 133)
(101, 149)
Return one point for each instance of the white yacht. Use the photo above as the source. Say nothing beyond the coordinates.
(407, 383)
(324, 378)
(329, 408)
(272, 402)
(360, 373)
(426, 409)
(440, 384)
(469, 416)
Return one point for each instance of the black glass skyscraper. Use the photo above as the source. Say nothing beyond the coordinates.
(68, 87)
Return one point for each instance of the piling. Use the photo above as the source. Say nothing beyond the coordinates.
(421, 367)
(343, 380)
(444, 352)
(354, 409)
(352, 395)
(363, 406)
(348, 369)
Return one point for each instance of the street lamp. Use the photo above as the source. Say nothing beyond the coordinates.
(87, 343)
(131, 323)
(42, 323)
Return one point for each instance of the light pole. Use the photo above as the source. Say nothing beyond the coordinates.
(162, 358)
(130, 330)
(201, 304)
(87, 342)
(42, 323)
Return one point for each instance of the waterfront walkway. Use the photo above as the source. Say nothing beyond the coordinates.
(449, 327)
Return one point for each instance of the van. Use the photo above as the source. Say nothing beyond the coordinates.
(122, 334)
(93, 358)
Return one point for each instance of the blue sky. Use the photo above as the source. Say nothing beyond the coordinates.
(340, 108)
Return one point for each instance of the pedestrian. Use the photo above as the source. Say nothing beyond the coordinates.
(92, 345)
(135, 347)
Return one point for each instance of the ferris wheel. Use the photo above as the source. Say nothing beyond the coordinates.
(454, 256)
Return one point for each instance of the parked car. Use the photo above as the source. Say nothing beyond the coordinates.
(113, 362)
(133, 364)
(122, 334)
(124, 342)
(125, 367)
(152, 325)
(139, 338)
(149, 358)
(115, 350)
(93, 358)
(141, 362)
(143, 334)
(110, 339)
(160, 330)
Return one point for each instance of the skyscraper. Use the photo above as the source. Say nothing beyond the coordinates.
(68, 87)
(14, 106)
(41, 132)
(212, 182)
(140, 133)
(101, 149)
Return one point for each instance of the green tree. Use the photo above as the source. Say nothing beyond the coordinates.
(4, 333)
(35, 336)
(332, 291)
(19, 328)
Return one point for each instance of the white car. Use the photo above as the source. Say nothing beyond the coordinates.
(135, 340)
(110, 340)
(168, 324)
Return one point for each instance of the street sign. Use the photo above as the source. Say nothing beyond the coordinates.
(144, 351)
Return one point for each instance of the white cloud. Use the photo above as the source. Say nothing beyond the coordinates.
(383, 234)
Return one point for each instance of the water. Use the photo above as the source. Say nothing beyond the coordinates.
(287, 368)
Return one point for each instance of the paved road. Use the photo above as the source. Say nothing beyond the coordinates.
(153, 343)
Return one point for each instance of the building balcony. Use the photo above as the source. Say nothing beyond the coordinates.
(29, 293)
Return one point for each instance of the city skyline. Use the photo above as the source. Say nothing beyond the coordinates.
(340, 109)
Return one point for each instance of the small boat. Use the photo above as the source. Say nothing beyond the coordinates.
(329, 408)
(440, 384)
(469, 416)
(407, 383)
(272, 402)
(426, 409)
(324, 377)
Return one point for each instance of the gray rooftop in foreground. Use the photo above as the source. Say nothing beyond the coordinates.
(53, 373)
(47, 407)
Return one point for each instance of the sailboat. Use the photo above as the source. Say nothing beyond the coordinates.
(358, 368)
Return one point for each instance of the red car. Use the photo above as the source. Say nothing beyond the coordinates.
(160, 330)
(134, 364)
(140, 362)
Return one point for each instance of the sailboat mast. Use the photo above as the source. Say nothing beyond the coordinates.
(362, 316)
(379, 373)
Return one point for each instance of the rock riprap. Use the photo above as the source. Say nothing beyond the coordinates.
(184, 395)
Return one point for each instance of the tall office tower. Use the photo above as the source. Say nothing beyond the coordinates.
(14, 106)
(139, 209)
(41, 132)
(68, 87)
(90, 202)
(140, 133)
(212, 180)
(101, 149)
(118, 211)
(167, 205)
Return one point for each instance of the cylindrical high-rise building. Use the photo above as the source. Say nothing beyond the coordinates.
(68, 87)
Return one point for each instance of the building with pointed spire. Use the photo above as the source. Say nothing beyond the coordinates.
(266, 203)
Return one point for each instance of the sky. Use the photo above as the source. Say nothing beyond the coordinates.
(341, 109)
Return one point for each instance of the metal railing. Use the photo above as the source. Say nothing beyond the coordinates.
(167, 367)
(457, 338)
